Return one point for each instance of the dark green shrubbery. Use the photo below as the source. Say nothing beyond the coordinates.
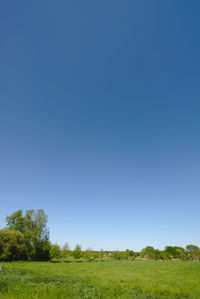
(12, 245)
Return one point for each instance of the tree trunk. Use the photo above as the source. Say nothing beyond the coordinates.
(1, 267)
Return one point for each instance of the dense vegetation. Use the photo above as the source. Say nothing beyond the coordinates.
(101, 279)
(26, 237)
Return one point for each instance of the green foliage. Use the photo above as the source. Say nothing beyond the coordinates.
(132, 254)
(55, 252)
(180, 253)
(36, 234)
(95, 255)
(65, 251)
(120, 255)
(77, 253)
(66, 247)
(149, 252)
(125, 254)
(193, 252)
(16, 221)
(42, 250)
(12, 245)
(88, 255)
(101, 254)
(164, 255)
(116, 255)
(33, 222)
(171, 251)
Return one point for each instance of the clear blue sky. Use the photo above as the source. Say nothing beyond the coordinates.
(100, 119)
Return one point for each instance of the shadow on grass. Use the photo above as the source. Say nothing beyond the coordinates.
(83, 261)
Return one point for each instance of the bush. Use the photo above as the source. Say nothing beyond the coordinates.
(12, 245)
(55, 252)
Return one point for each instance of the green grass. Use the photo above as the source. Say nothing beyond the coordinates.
(109, 279)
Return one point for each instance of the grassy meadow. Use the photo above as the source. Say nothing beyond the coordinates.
(101, 279)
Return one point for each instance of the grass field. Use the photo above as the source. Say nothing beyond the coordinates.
(101, 279)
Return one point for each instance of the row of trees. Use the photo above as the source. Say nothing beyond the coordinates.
(26, 237)
(64, 253)
(191, 252)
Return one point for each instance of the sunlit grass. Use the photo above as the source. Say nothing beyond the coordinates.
(109, 279)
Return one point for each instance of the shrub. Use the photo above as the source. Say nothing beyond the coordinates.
(12, 245)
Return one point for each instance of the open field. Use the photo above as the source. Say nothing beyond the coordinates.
(101, 279)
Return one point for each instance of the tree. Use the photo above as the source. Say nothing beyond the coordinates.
(42, 250)
(157, 254)
(101, 254)
(88, 255)
(55, 252)
(33, 221)
(116, 255)
(180, 253)
(126, 254)
(65, 252)
(95, 255)
(77, 252)
(12, 245)
(149, 252)
(33, 226)
(16, 221)
(171, 251)
(164, 255)
(193, 252)
(131, 254)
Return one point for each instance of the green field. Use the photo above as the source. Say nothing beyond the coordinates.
(101, 279)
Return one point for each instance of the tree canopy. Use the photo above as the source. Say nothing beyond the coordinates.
(33, 226)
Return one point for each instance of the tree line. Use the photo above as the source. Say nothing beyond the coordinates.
(26, 237)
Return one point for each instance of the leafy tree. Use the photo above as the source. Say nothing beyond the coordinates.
(126, 254)
(132, 254)
(55, 252)
(171, 251)
(117, 255)
(16, 221)
(120, 255)
(149, 252)
(42, 250)
(88, 255)
(95, 255)
(101, 254)
(12, 245)
(77, 252)
(33, 226)
(164, 255)
(65, 252)
(193, 252)
(180, 253)
(66, 247)
(157, 254)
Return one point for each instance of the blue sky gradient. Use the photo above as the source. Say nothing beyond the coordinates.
(100, 119)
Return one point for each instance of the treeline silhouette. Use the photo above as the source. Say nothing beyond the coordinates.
(26, 237)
